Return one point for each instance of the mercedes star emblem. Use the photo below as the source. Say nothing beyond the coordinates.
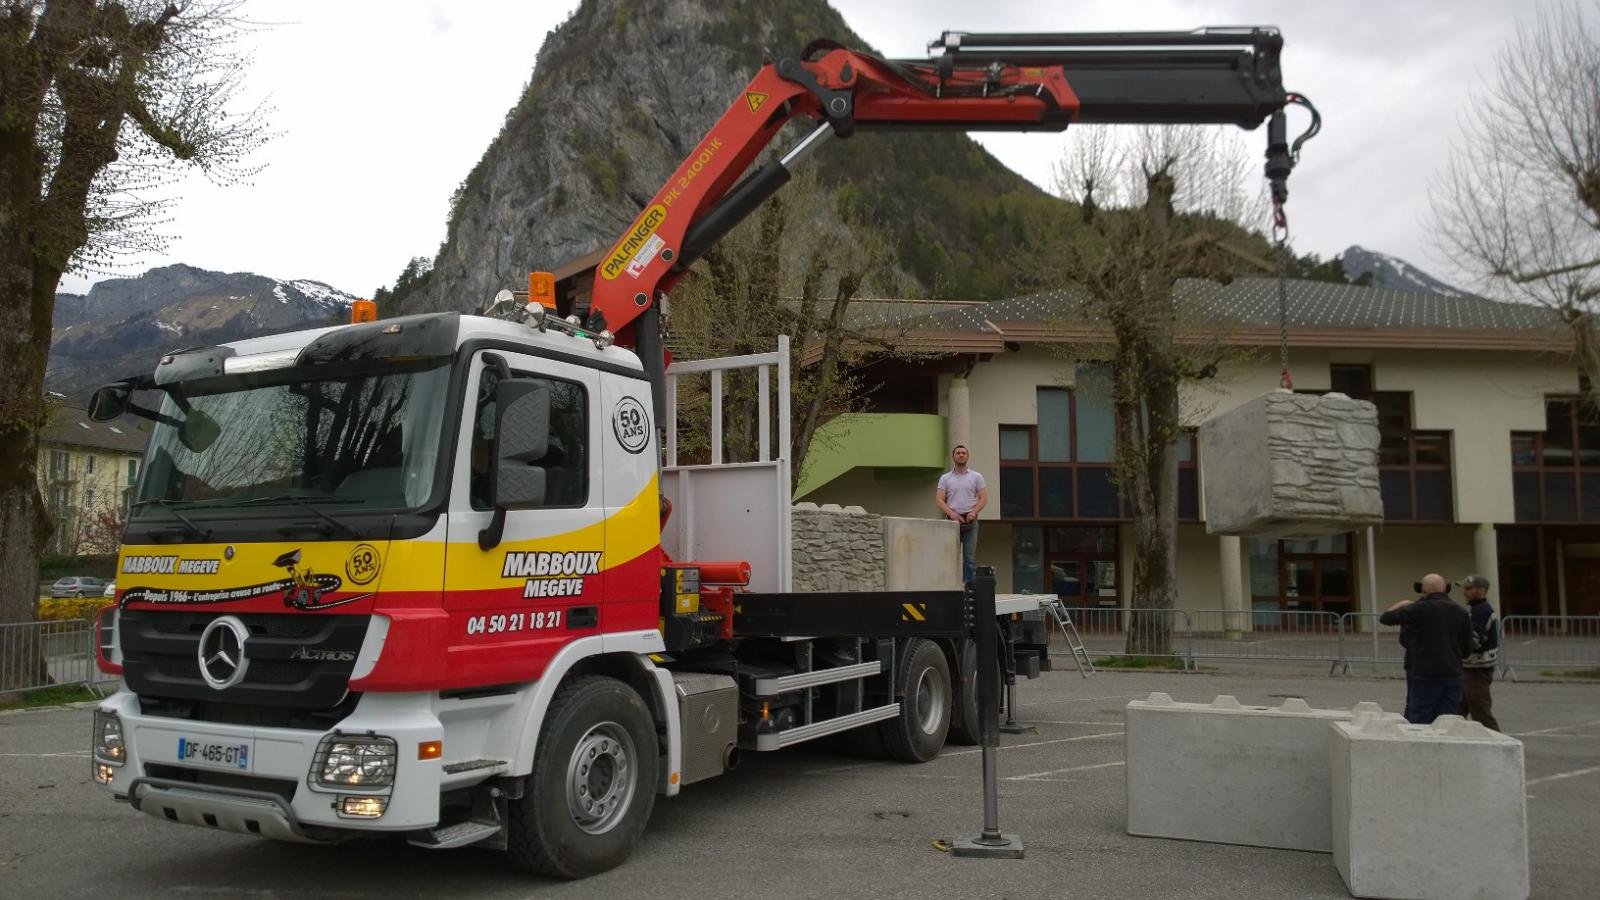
(222, 659)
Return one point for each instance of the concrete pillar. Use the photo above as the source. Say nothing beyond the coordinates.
(1232, 584)
(960, 421)
(1486, 558)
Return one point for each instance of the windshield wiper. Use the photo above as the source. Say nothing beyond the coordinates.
(171, 507)
(301, 501)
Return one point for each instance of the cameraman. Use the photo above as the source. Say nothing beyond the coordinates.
(1437, 634)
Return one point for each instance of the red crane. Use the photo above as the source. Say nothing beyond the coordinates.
(971, 82)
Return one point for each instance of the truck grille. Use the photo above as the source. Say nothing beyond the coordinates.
(297, 661)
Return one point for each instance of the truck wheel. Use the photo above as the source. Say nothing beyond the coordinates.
(593, 782)
(923, 680)
(964, 727)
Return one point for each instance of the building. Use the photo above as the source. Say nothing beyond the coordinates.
(1488, 461)
(86, 472)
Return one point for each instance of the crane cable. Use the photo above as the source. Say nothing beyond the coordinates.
(1280, 234)
(1280, 225)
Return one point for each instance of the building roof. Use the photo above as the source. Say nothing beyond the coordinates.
(1246, 312)
(70, 426)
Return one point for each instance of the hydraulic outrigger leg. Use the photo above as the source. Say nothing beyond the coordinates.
(990, 843)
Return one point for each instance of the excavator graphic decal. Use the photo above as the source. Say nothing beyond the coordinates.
(304, 589)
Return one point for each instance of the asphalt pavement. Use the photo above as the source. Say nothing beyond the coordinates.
(811, 823)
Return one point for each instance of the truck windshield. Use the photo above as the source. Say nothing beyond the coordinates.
(354, 441)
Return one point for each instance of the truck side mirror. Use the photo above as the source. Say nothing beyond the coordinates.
(521, 439)
(109, 402)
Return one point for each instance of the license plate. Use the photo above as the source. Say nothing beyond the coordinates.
(211, 753)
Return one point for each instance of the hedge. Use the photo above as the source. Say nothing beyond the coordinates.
(52, 610)
(99, 565)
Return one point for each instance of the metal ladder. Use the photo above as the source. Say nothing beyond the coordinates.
(1058, 611)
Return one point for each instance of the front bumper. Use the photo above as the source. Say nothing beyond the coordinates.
(277, 795)
(230, 809)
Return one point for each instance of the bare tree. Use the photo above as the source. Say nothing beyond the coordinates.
(98, 101)
(795, 268)
(1156, 207)
(1519, 204)
(97, 531)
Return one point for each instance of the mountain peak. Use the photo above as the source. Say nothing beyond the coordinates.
(1392, 273)
(124, 324)
(580, 156)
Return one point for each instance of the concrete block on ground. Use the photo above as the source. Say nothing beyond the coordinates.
(921, 554)
(1233, 774)
(1428, 811)
(1287, 463)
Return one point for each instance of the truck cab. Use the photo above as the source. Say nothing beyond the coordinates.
(407, 576)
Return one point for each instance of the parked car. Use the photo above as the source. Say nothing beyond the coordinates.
(111, 589)
(78, 586)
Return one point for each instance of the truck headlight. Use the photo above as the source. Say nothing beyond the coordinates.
(366, 761)
(108, 746)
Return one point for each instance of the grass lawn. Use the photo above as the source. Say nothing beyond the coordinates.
(1140, 662)
(50, 696)
(1579, 673)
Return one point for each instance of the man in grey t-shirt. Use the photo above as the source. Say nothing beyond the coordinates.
(961, 496)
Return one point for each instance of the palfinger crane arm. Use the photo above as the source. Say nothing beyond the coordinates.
(971, 82)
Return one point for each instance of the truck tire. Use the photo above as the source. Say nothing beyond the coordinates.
(593, 782)
(964, 727)
(923, 683)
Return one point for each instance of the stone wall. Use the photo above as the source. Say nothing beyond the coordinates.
(1289, 463)
(837, 548)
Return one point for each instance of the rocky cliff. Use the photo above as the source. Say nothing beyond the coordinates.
(625, 88)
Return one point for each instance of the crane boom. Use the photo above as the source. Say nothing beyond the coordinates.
(970, 82)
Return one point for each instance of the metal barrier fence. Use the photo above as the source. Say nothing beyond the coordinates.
(1134, 632)
(1555, 642)
(36, 655)
(1369, 642)
(1342, 641)
(1266, 635)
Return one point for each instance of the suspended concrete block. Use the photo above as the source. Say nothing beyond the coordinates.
(1428, 811)
(1292, 464)
(1233, 774)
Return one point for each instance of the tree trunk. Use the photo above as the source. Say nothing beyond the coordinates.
(1155, 481)
(26, 293)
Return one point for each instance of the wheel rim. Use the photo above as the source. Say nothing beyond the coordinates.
(601, 778)
(931, 700)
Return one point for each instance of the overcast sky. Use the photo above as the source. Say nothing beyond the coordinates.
(382, 108)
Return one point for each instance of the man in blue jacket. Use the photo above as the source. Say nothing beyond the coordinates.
(1480, 664)
(1437, 634)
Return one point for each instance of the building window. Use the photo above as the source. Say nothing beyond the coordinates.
(1413, 466)
(1316, 575)
(1353, 381)
(60, 465)
(88, 498)
(1061, 467)
(1518, 556)
(133, 471)
(88, 464)
(1076, 563)
(1555, 475)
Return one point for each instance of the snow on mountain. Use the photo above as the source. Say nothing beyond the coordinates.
(1392, 273)
(123, 325)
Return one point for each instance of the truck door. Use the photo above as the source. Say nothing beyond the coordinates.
(630, 456)
(515, 605)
